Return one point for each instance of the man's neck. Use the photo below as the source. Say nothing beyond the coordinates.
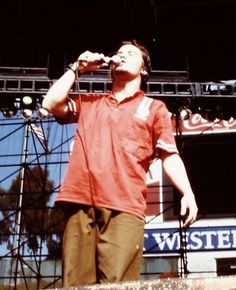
(124, 90)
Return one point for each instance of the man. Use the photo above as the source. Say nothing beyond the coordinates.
(104, 189)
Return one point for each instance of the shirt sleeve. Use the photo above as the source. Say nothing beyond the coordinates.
(72, 115)
(163, 132)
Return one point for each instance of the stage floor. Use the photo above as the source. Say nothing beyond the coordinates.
(218, 283)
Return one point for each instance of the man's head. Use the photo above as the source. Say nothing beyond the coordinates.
(138, 59)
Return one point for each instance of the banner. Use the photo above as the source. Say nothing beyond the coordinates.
(196, 124)
(197, 239)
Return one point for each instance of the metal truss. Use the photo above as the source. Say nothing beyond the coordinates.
(100, 82)
(156, 89)
(30, 149)
(216, 99)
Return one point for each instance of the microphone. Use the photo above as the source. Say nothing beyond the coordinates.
(115, 59)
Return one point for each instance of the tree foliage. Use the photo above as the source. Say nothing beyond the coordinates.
(25, 206)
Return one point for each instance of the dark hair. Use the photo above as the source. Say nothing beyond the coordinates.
(146, 58)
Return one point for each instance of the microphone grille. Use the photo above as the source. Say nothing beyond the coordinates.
(116, 59)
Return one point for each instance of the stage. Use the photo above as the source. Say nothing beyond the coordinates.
(218, 283)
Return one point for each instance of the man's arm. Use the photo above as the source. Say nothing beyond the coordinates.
(55, 101)
(175, 170)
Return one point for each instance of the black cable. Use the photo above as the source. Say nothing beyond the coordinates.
(83, 142)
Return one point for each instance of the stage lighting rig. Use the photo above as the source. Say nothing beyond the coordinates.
(8, 106)
(9, 112)
(28, 102)
(42, 113)
(28, 105)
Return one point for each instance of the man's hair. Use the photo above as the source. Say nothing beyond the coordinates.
(146, 58)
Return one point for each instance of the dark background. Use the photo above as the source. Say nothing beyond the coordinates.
(194, 35)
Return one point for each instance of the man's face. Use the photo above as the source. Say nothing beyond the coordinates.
(132, 62)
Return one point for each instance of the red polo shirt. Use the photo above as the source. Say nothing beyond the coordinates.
(113, 147)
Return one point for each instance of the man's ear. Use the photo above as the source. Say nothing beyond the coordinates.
(144, 72)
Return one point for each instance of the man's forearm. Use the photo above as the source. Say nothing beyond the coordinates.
(55, 99)
(175, 170)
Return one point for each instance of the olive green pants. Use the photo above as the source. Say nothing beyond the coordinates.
(101, 246)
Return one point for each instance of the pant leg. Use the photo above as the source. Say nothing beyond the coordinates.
(120, 247)
(79, 247)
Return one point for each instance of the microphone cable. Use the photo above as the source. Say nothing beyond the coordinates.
(83, 142)
(113, 60)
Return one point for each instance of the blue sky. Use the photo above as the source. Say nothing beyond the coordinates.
(13, 148)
